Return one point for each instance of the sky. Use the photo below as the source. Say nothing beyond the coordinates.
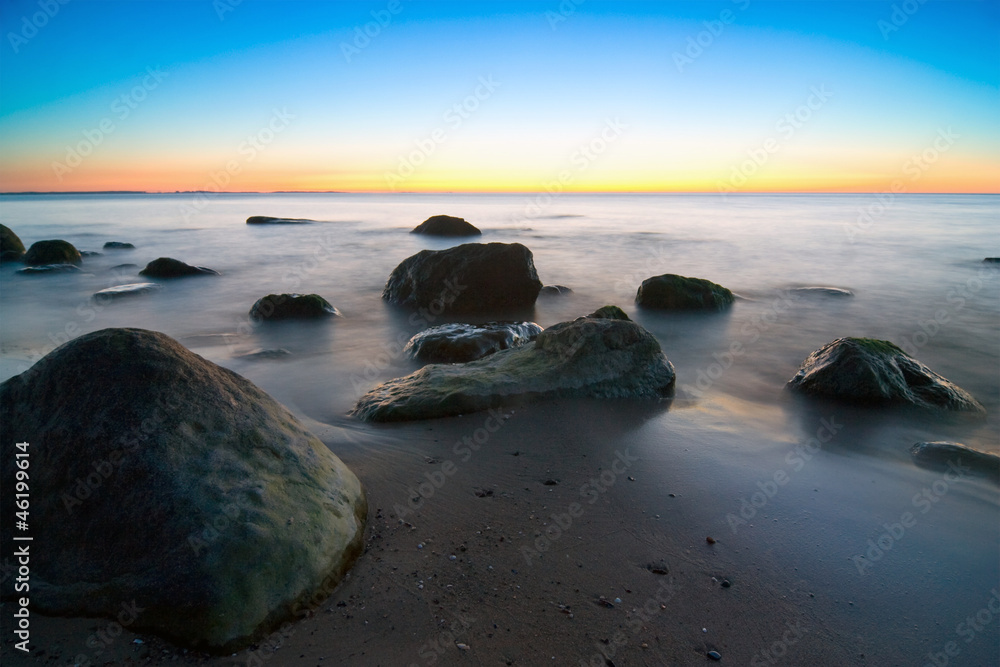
(577, 95)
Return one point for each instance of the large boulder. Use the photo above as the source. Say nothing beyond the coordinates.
(458, 343)
(602, 357)
(446, 225)
(174, 486)
(956, 457)
(292, 306)
(470, 278)
(52, 252)
(118, 245)
(877, 372)
(167, 267)
(11, 248)
(268, 220)
(674, 292)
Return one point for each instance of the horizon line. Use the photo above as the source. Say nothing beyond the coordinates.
(485, 192)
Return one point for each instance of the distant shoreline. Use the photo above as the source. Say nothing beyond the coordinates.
(526, 192)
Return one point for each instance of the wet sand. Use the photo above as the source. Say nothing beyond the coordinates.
(635, 488)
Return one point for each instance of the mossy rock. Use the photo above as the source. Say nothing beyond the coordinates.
(446, 225)
(673, 292)
(167, 267)
(52, 252)
(11, 248)
(292, 306)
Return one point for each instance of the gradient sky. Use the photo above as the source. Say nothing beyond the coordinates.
(583, 96)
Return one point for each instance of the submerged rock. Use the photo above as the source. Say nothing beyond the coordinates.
(556, 290)
(175, 485)
(877, 372)
(458, 343)
(292, 306)
(470, 278)
(167, 267)
(823, 291)
(268, 220)
(590, 356)
(118, 245)
(446, 225)
(50, 268)
(992, 260)
(132, 289)
(123, 267)
(956, 457)
(11, 248)
(674, 292)
(271, 353)
(52, 252)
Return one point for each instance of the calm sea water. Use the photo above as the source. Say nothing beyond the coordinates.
(914, 265)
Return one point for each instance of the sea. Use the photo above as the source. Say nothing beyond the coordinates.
(913, 265)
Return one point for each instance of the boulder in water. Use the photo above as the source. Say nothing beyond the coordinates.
(876, 372)
(674, 292)
(268, 220)
(118, 245)
(459, 343)
(556, 290)
(470, 278)
(11, 248)
(49, 268)
(162, 480)
(167, 267)
(52, 252)
(956, 457)
(292, 306)
(119, 291)
(446, 225)
(600, 357)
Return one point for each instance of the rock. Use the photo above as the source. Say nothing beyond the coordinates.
(590, 356)
(274, 353)
(118, 245)
(992, 260)
(11, 248)
(90, 253)
(292, 306)
(674, 292)
(609, 313)
(470, 278)
(52, 252)
(446, 225)
(876, 372)
(123, 267)
(132, 289)
(458, 343)
(715, 655)
(50, 268)
(268, 220)
(954, 456)
(206, 505)
(166, 267)
(823, 291)
(556, 290)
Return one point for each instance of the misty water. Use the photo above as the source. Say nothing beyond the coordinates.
(913, 263)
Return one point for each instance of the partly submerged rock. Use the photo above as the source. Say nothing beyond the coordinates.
(11, 248)
(52, 252)
(674, 292)
(174, 486)
(590, 356)
(292, 306)
(49, 268)
(556, 290)
(90, 253)
(132, 289)
(823, 291)
(458, 343)
(992, 260)
(269, 354)
(268, 220)
(956, 457)
(124, 267)
(470, 278)
(118, 245)
(877, 372)
(167, 267)
(446, 225)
